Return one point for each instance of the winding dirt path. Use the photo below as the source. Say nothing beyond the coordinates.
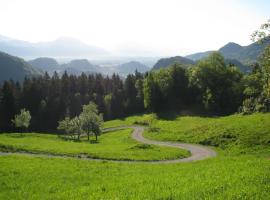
(198, 152)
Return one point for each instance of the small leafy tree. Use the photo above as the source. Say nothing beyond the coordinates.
(76, 126)
(66, 126)
(22, 120)
(263, 33)
(91, 120)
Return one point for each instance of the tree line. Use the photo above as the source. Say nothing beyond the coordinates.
(50, 99)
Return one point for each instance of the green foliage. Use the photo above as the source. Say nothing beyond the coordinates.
(116, 145)
(215, 81)
(22, 120)
(263, 33)
(91, 120)
(165, 88)
(128, 121)
(258, 82)
(147, 120)
(67, 126)
(265, 63)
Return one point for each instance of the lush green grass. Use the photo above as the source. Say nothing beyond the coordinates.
(117, 145)
(240, 171)
(233, 134)
(25, 177)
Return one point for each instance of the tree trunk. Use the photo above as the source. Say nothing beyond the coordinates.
(96, 136)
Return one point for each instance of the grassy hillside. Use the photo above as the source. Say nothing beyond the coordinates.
(117, 145)
(234, 134)
(240, 171)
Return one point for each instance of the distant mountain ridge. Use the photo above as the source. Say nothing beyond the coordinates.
(75, 67)
(244, 54)
(130, 68)
(45, 64)
(15, 68)
(78, 66)
(61, 47)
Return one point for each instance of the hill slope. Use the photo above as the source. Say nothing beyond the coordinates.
(15, 68)
(45, 64)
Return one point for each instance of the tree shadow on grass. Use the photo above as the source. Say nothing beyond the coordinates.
(172, 115)
(94, 141)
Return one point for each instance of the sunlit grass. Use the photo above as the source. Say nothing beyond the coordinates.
(241, 177)
(117, 145)
(233, 134)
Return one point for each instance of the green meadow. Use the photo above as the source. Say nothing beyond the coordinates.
(241, 177)
(116, 145)
(241, 169)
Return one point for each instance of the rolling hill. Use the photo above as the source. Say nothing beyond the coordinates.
(165, 62)
(76, 67)
(15, 68)
(130, 68)
(45, 64)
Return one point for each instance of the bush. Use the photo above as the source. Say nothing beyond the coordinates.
(252, 105)
(142, 146)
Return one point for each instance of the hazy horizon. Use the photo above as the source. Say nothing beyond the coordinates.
(136, 28)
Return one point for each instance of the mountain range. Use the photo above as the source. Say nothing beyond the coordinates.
(12, 67)
(130, 67)
(76, 67)
(233, 51)
(164, 62)
(61, 47)
(235, 54)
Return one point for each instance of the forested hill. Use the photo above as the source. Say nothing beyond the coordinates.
(165, 62)
(244, 54)
(45, 64)
(15, 68)
(130, 67)
(76, 67)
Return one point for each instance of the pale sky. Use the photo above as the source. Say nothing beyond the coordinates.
(136, 27)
